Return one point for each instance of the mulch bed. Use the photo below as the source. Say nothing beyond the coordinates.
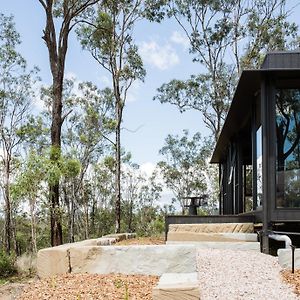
(87, 286)
(91, 286)
(293, 279)
(142, 241)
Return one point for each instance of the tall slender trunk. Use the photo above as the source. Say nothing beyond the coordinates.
(130, 216)
(33, 225)
(8, 221)
(56, 227)
(93, 216)
(57, 44)
(118, 176)
(86, 214)
(72, 233)
(67, 203)
(69, 200)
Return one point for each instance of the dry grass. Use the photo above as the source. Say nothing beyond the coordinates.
(91, 286)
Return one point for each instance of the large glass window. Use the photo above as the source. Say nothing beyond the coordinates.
(288, 148)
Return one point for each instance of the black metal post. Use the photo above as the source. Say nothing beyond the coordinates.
(254, 157)
(166, 227)
(193, 207)
(293, 258)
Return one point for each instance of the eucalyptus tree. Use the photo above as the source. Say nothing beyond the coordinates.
(61, 17)
(15, 97)
(148, 219)
(183, 166)
(225, 37)
(107, 35)
(132, 180)
(85, 137)
(102, 216)
(38, 169)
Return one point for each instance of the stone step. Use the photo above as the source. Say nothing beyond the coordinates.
(177, 286)
(213, 232)
(285, 258)
(213, 228)
(211, 237)
(255, 246)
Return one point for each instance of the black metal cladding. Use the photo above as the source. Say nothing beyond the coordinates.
(281, 60)
(253, 105)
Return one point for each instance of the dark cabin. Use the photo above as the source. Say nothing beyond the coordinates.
(258, 151)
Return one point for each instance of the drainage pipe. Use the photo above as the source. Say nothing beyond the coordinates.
(282, 238)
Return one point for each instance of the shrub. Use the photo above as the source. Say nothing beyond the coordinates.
(7, 265)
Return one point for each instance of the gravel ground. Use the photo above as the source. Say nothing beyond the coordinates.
(231, 275)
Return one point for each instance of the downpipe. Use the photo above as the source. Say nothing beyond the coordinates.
(288, 244)
(281, 238)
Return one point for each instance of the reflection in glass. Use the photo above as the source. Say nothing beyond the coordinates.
(259, 165)
(288, 149)
(248, 204)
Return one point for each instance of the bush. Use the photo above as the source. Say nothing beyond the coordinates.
(7, 265)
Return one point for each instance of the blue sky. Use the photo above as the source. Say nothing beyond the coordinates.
(165, 53)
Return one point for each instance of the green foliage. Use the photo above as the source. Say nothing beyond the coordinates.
(38, 169)
(7, 267)
(110, 37)
(102, 36)
(150, 222)
(16, 92)
(34, 132)
(225, 38)
(184, 165)
(71, 168)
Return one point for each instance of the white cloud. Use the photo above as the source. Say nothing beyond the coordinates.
(162, 57)
(147, 168)
(72, 76)
(104, 82)
(133, 92)
(180, 39)
(37, 102)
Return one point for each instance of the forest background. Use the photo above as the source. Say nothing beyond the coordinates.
(80, 133)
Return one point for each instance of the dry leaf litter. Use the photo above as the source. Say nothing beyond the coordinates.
(91, 287)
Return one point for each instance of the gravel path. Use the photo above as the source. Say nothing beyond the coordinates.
(231, 275)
